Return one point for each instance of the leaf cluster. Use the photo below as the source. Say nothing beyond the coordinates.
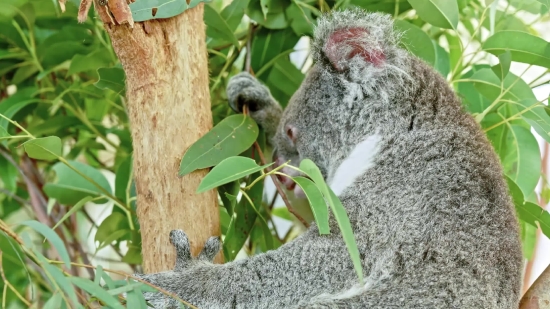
(65, 144)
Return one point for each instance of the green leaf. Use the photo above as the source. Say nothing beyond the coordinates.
(71, 187)
(83, 63)
(244, 215)
(228, 195)
(96, 291)
(133, 256)
(54, 302)
(229, 170)
(9, 174)
(497, 131)
(318, 205)
(387, 6)
(52, 237)
(274, 17)
(217, 27)
(57, 277)
(12, 105)
(416, 41)
(135, 299)
(112, 78)
(455, 52)
(234, 12)
(4, 134)
(283, 80)
(488, 84)
(531, 6)
(532, 213)
(230, 137)
(502, 69)
(339, 212)
(114, 228)
(45, 148)
(442, 62)
(528, 239)
(269, 44)
(440, 13)
(153, 9)
(105, 276)
(60, 52)
(347, 233)
(282, 212)
(125, 288)
(534, 113)
(522, 161)
(301, 19)
(73, 209)
(123, 181)
(265, 7)
(524, 47)
(23, 73)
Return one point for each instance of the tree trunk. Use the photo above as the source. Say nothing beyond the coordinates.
(168, 104)
(538, 295)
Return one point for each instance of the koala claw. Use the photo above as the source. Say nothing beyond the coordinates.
(212, 246)
(179, 240)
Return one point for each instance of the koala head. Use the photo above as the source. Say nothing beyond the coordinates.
(346, 96)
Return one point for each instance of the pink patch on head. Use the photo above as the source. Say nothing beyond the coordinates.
(344, 44)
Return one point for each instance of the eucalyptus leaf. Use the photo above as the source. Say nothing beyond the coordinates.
(522, 160)
(56, 277)
(234, 12)
(114, 228)
(229, 170)
(339, 212)
(71, 187)
(316, 201)
(54, 239)
(97, 291)
(111, 78)
(440, 13)
(228, 138)
(45, 148)
(217, 27)
(502, 69)
(153, 9)
(524, 47)
(416, 41)
(73, 209)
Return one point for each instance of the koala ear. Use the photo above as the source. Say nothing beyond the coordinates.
(344, 44)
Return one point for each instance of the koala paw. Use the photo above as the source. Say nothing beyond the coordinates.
(244, 89)
(184, 262)
(183, 250)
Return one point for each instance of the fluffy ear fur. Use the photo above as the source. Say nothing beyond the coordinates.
(344, 44)
(358, 37)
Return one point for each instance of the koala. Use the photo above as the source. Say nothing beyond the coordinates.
(421, 184)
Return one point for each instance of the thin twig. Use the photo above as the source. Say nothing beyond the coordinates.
(7, 283)
(279, 189)
(248, 59)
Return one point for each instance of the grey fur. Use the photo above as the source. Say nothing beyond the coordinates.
(433, 220)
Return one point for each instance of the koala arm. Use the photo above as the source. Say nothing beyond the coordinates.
(244, 89)
(277, 279)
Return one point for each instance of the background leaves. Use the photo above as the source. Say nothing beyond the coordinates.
(61, 81)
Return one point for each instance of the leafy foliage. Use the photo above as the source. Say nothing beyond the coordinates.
(65, 144)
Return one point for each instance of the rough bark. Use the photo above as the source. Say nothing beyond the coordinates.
(168, 104)
(538, 295)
